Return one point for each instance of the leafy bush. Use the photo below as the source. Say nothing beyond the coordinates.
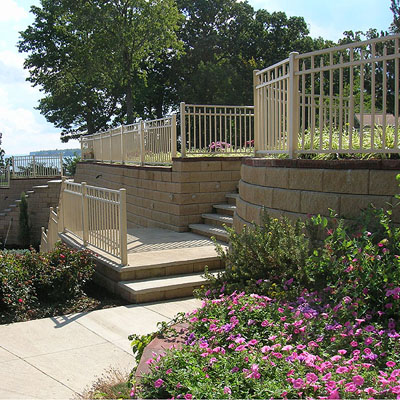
(265, 258)
(69, 164)
(30, 278)
(24, 227)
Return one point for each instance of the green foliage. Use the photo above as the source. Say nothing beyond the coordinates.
(69, 164)
(30, 278)
(358, 260)
(24, 227)
(263, 258)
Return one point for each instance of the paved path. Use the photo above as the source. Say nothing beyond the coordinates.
(59, 357)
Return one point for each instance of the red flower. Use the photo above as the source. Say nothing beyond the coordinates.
(20, 301)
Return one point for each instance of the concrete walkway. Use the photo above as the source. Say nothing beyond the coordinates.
(59, 357)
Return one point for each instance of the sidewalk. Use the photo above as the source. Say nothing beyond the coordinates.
(59, 357)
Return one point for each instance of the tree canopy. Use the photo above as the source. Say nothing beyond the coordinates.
(104, 62)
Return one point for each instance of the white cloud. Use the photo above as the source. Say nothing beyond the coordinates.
(10, 11)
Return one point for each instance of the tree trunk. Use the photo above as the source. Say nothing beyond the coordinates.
(89, 123)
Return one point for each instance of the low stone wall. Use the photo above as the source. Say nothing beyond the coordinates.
(167, 197)
(297, 188)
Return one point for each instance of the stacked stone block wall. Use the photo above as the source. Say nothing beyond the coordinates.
(298, 188)
(167, 197)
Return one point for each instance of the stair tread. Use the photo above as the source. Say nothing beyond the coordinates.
(209, 229)
(41, 187)
(232, 195)
(219, 217)
(225, 206)
(163, 283)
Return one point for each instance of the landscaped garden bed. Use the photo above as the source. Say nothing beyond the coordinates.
(293, 316)
(37, 285)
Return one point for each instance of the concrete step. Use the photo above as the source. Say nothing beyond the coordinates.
(29, 192)
(209, 231)
(149, 266)
(157, 289)
(217, 219)
(40, 187)
(232, 198)
(227, 209)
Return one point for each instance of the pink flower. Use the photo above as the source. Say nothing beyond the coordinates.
(390, 364)
(336, 358)
(370, 390)
(227, 390)
(168, 371)
(358, 380)
(341, 370)
(264, 323)
(188, 396)
(342, 351)
(353, 343)
(298, 383)
(158, 383)
(350, 387)
(253, 342)
(311, 377)
(334, 394)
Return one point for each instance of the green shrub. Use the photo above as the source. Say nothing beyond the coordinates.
(24, 228)
(69, 164)
(29, 278)
(360, 260)
(264, 258)
(63, 273)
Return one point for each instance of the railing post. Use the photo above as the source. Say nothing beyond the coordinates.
(81, 142)
(293, 105)
(60, 213)
(142, 158)
(256, 112)
(34, 166)
(173, 136)
(61, 165)
(123, 231)
(85, 215)
(122, 145)
(183, 129)
(13, 167)
(101, 146)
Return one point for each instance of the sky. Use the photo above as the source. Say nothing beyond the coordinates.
(25, 129)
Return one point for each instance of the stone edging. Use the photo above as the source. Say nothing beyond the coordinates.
(325, 164)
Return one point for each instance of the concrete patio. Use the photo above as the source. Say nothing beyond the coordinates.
(60, 357)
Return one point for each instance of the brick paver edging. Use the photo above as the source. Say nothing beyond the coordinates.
(158, 346)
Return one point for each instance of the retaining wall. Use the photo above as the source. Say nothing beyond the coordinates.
(167, 197)
(297, 188)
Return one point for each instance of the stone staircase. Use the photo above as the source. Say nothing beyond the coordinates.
(213, 223)
(39, 201)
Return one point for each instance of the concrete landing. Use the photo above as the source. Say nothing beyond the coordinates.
(60, 357)
(162, 264)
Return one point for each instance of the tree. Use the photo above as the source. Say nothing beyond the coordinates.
(395, 7)
(86, 54)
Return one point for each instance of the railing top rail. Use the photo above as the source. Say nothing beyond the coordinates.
(348, 46)
(280, 63)
(158, 119)
(217, 106)
(100, 189)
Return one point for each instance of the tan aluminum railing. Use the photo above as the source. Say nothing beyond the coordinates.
(5, 177)
(152, 142)
(36, 166)
(343, 100)
(50, 235)
(95, 216)
(209, 129)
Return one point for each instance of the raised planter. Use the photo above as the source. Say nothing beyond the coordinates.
(298, 188)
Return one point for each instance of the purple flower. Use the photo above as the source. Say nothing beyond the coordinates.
(158, 383)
